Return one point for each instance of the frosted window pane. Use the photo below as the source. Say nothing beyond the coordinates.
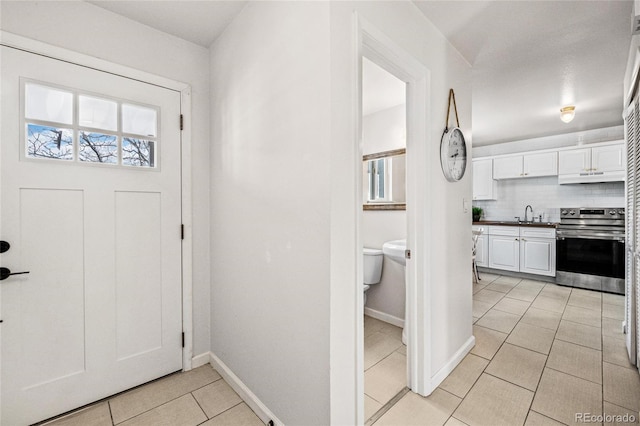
(138, 152)
(98, 148)
(98, 113)
(47, 103)
(139, 120)
(49, 142)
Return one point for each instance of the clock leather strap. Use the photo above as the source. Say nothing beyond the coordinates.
(455, 109)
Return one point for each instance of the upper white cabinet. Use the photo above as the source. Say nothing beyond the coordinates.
(574, 161)
(608, 158)
(526, 165)
(507, 167)
(605, 163)
(484, 187)
(542, 164)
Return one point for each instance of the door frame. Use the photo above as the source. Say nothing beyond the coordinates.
(66, 55)
(380, 49)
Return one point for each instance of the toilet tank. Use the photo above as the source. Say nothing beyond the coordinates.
(372, 265)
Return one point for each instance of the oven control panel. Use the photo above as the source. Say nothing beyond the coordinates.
(592, 213)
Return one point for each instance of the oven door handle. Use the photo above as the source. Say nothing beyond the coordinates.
(590, 237)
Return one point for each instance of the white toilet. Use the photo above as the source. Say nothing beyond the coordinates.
(372, 266)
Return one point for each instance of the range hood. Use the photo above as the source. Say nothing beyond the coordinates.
(592, 177)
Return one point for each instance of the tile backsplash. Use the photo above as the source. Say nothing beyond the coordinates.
(547, 197)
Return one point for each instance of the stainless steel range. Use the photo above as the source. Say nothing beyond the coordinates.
(590, 249)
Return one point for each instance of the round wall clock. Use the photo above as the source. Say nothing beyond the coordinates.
(453, 147)
(453, 154)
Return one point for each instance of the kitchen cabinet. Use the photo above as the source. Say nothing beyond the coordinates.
(541, 164)
(507, 167)
(482, 246)
(605, 163)
(504, 248)
(522, 249)
(526, 165)
(484, 187)
(608, 158)
(538, 251)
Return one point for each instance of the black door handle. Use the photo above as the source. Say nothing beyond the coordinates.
(4, 246)
(5, 272)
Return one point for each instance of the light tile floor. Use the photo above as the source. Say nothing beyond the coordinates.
(196, 397)
(543, 354)
(385, 364)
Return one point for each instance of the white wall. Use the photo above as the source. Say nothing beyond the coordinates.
(270, 164)
(547, 197)
(448, 226)
(88, 29)
(384, 131)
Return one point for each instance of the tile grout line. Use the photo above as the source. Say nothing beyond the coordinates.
(199, 406)
(220, 413)
(110, 412)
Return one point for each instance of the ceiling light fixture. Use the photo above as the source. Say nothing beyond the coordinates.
(567, 113)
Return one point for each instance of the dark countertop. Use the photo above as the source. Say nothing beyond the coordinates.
(514, 223)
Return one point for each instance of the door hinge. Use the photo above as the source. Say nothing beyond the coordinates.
(181, 122)
(182, 231)
(183, 339)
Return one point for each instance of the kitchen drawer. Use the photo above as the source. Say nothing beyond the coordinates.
(507, 231)
(537, 232)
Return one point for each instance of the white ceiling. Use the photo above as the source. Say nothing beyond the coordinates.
(199, 22)
(529, 57)
(380, 89)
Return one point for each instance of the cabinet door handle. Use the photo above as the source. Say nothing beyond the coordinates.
(517, 239)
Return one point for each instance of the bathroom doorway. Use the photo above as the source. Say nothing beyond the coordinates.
(413, 77)
(383, 220)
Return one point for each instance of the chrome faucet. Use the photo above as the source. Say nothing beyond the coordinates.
(525, 213)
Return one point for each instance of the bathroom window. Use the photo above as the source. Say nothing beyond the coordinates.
(82, 128)
(379, 180)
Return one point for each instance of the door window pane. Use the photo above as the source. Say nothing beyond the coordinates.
(98, 113)
(138, 152)
(98, 148)
(49, 142)
(139, 120)
(49, 104)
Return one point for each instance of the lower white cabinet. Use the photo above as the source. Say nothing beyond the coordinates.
(522, 249)
(482, 246)
(538, 251)
(503, 247)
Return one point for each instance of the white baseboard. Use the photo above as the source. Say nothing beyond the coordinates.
(243, 391)
(200, 360)
(398, 322)
(442, 374)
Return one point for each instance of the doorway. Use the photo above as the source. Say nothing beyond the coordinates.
(91, 207)
(378, 48)
(383, 219)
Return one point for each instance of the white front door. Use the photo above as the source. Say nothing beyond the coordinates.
(90, 204)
